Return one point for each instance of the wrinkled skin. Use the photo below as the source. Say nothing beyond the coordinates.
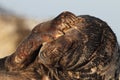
(68, 47)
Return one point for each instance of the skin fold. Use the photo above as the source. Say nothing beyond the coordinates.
(68, 47)
(44, 32)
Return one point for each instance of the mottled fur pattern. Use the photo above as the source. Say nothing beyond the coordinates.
(68, 47)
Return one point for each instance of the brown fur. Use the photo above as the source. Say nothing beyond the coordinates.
(68, 47)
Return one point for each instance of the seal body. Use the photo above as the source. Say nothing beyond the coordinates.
(69, 47)
(89, 51)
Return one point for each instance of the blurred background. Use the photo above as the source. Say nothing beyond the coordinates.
(18, 17)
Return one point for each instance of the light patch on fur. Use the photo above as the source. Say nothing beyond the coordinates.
(45, 77)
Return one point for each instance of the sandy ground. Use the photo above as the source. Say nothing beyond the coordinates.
(13, 29)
